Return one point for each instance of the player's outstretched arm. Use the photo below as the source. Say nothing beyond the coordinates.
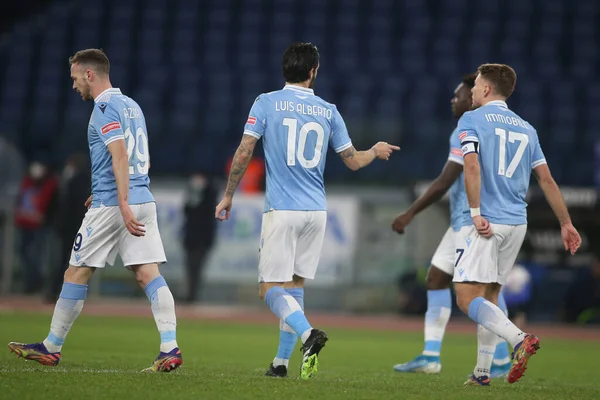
(570, 236)
(120, 164)
(241, 159)
(356, 160)
(434, 192)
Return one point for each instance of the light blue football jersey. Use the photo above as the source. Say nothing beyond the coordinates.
(116, 117)
(296, 127)
(457, 190)
(508, 149)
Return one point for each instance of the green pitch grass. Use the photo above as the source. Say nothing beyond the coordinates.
(103, 356)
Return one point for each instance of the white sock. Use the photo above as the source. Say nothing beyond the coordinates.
(280, 361)
(305, 335)
(67, 309)
(491, 317)
(486, 347)
(439, 308)
(163, 309)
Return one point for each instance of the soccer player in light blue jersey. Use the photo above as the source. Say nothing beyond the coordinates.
(439, 276)
(500, 150)
(121, 218)
(297, 127)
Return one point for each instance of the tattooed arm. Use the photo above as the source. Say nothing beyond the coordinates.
(241, 159)
(356, 160)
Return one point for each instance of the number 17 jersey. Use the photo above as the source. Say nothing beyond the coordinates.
(297, 128)
(118, 117)
(508, 149)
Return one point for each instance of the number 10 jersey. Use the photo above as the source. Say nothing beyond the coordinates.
(297, 128)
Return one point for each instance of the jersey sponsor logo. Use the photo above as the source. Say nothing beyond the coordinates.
(111, 126)
(462, 135)
(251, 120)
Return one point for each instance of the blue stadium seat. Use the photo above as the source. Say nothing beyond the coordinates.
(521, 7)
(450, 28)
(488, 8)
(516, 29)
(419, 26)
(384, 63)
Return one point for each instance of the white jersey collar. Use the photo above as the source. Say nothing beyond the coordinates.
(497, 103)
(108, 91)
(300, 89)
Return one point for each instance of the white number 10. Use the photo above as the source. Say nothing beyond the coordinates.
(139, 143)
(292, 125)
(512, 137)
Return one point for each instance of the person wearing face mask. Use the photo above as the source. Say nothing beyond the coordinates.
(73, 191)
(199, 229)
(32, 214)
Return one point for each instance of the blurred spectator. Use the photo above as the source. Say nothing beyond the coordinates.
(582, 302)
(73, 191)
(253, 180)
(412, 294)
(199, 228)
(597, 165)
(32, 216)
(12, 168)
(517, 292)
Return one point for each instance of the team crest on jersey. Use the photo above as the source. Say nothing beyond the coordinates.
(462, 135)
(251, 120)
(102, 107)
(111, 126)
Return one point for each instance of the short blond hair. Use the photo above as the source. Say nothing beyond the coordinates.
(95, 58)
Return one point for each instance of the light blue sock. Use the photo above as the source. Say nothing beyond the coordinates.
(287, 309)
(287, 336)
(492, 318)
(67, 309)
(439, 308)
(163, 309)
(501, 356)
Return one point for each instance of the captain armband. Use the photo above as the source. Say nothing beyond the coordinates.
(470, 147)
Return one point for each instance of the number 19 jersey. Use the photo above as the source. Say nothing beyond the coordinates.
(118, 117)
(508, 149)
(296, 127)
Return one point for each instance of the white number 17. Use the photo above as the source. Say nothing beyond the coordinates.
(512, 137)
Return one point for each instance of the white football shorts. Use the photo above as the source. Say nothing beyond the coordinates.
(103, 235)
(445, 254)
(488, 260)
(290, 244)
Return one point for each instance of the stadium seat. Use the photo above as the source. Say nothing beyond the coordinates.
(384, 63)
